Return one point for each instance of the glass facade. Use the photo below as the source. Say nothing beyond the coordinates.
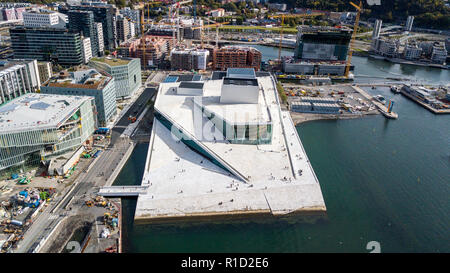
(251, 133)
(105, 99)
(45, 44)
(24, 149)
(127, 76)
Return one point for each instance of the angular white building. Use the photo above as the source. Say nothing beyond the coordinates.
(210, 158)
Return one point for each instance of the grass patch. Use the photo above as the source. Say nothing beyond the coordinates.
(281, 92)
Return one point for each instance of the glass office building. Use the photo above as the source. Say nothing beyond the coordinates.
(125, 71)
(86, 82)
(47, 44)
(36, 127)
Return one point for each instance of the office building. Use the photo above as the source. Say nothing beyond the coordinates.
(125, 71)
(40, 127)
(86, 82)
(17, 78)
(47, 44)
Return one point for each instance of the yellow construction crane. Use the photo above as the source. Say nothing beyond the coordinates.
(216, 25)
(355, 29)
(282, 16)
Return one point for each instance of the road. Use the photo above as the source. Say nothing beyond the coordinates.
(87, 183)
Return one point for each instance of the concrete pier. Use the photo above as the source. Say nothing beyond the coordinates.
(382, 108)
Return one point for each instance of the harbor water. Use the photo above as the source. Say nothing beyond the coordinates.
(382, 180)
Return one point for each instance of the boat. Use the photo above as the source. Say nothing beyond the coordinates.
(395, 89)
(380, 98)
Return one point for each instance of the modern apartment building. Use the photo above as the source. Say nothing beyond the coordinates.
(18, 77)
(156, 48)
(45, 71)
(83, 22)
(125, 71)
(104, 14)
(47, 44)
(100, 41)
(188, 59)
(123, 28)
(236, 57)
(38, 127)
(86, 82)
(87, 51)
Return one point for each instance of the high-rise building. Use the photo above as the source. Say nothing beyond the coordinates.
(86, 82)
(104, 14)
(409, 23)
(125, 71)
(47, 44)
(236, 57)
(377, 29)
(101, 43)
(87, 51)
(18, 77)
(322, 43)
(83, 22)
(135, 16)
(41, 127)
(123, 28)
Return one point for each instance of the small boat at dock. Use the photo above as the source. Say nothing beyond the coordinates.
(395, 89)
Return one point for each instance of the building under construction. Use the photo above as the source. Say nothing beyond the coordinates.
(322, 43)
(156, 49)
(236, 57)
(189, 59)
(319, 51)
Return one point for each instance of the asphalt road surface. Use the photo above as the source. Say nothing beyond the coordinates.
(135, 110)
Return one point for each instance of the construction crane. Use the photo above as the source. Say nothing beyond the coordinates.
(143, 37)
(209, 26)
(355, 29)
(282, 16)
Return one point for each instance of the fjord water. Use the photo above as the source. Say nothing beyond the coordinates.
(382, 180)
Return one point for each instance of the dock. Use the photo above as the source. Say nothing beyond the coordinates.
(427, 106)
(382, 108)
